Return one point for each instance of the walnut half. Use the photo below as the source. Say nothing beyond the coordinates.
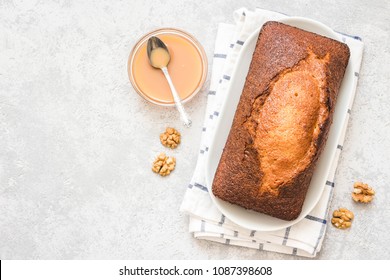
(170, 138)
(342, 218)
(163, 164)
(362, 193)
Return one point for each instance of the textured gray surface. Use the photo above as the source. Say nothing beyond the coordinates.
(76, 141)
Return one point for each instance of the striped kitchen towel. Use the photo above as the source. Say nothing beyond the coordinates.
(205, 220)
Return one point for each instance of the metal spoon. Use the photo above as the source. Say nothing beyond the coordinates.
(159, 57)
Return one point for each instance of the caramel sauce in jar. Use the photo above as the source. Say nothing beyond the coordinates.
(187, 67)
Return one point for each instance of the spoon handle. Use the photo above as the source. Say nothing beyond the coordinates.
(176, 98)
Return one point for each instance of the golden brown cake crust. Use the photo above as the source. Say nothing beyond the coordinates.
(282, 120)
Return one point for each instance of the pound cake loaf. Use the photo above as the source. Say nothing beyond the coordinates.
(282, 121)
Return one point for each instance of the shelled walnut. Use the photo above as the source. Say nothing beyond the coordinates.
(342, 218)
(163, 164)
(362, 193)
(170, 138)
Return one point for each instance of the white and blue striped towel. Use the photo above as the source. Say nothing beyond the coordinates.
(205, 220)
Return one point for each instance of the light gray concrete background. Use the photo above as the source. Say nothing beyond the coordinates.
(77, 142)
